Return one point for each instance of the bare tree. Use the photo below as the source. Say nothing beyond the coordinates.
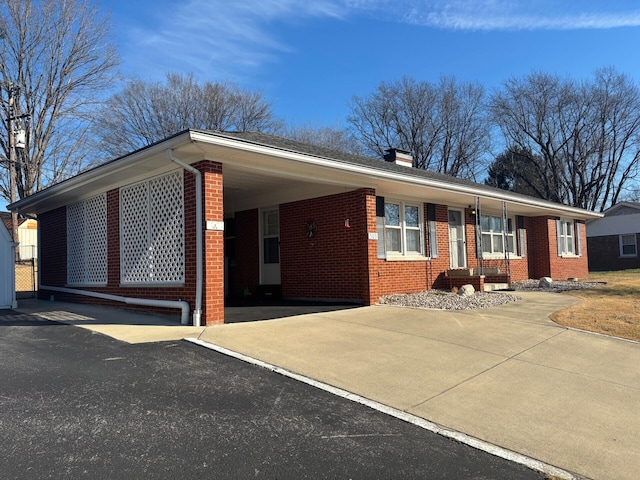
(56, 58)
(145, 112)
(444, 126)
(616, 154)
(583, 138)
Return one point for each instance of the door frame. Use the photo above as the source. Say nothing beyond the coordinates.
(462, 263)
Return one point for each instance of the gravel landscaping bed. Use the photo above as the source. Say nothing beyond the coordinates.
(556, 286)
(443, 300)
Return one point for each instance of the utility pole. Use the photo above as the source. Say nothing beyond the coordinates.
(13, 90)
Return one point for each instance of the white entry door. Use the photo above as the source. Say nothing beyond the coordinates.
(270, 251)
(457, 249)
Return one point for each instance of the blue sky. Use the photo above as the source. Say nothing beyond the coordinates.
(310, 57)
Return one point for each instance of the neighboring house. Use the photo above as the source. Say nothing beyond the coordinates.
(278, 217)
(27, 235)
(7, 271)
(613, 239)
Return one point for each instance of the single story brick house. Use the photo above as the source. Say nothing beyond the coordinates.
(205, 215)
(613, 239)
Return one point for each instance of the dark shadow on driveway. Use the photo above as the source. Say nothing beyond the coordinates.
(238, 311)
(11, 318)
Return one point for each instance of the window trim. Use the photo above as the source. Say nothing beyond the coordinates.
(621, 244)
(403, 254)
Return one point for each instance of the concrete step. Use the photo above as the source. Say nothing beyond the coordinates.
(490, 287)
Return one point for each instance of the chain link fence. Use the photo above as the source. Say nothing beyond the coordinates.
(26, 271)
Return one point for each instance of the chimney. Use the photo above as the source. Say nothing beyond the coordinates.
(399, 157)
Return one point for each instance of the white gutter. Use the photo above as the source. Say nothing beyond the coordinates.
(147, 302)
(197, 313)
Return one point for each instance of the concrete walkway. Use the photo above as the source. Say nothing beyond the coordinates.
(505, 375)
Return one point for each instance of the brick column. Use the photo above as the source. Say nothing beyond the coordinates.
(372, 295)
(213, 243)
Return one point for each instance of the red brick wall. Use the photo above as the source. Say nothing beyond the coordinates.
(563, 268)
(539, 244)
(542, 244)
(53, 249)
(333, 264)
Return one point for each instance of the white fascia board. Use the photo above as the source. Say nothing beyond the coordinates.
(369, 172)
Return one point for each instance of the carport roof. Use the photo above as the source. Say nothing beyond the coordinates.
(269, 156)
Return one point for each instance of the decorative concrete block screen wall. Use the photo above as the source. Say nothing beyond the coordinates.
(152, 231)
(87, 242)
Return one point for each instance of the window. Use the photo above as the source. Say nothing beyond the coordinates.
(493, 235)
(403, 228)
(568, 232)
(87, 242)
(628, 246)
(271, 238)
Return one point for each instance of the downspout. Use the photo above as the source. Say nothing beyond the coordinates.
(147, 302)
(197, 313)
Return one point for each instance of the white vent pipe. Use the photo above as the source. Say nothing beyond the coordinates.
(147, 302)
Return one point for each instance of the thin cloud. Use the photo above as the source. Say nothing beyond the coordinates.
(518, 15)
(223, 39)
(220, 36)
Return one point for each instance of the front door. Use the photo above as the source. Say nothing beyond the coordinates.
(457, 249)
(270, 251)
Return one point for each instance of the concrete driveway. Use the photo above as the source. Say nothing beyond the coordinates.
(505, 375)
(508, 375)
